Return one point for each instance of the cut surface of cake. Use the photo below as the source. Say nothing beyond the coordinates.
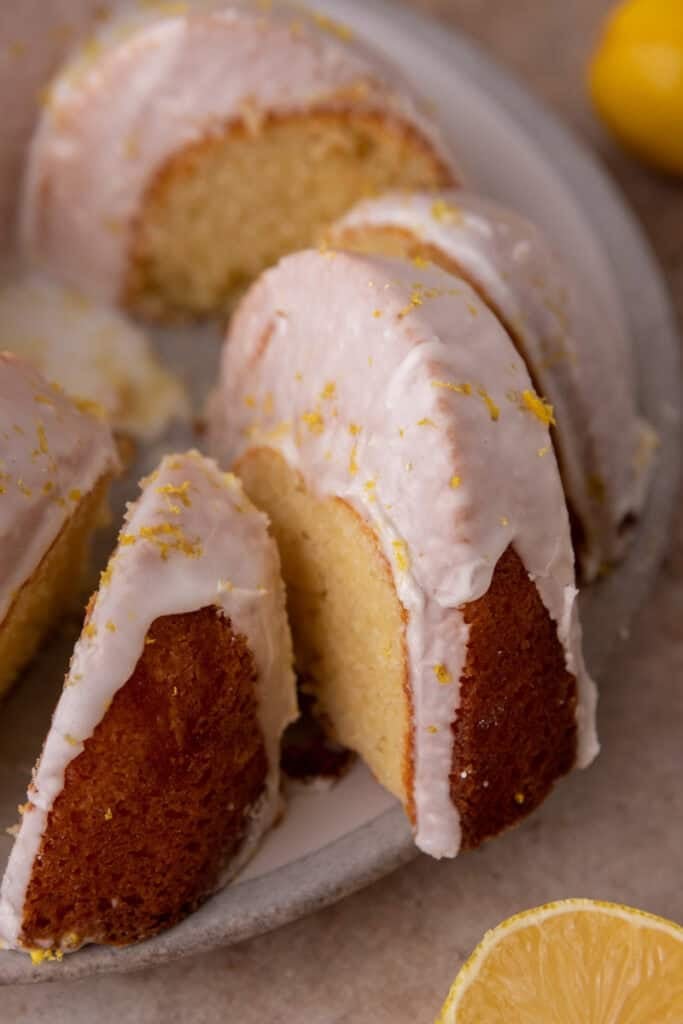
(56, 461)
(380, 414)
(93, 352)
(575, 351)
(160, 771)
(179, 155)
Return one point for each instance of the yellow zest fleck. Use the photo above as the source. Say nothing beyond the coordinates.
(377, 313)
(420, 261)
(354, 429)
(472, 309)
(39, 956)
(89, 630)
(442, 674)
(446, 213)
(26, 491)
(71, 740)
(75, 495)
(417, 297)
(369, 360)
(460, 389)
(432, 729)
(108, 814)
(23, 808)
(455, 482)
(149, 640)
(519, 798)
(401, 555)
(543, 451)
(337, 28)
(369, 486)
(42, 439)
(105, 575)
(169, 537)
(179, 491)
(48, 487)
(111, 626)
(298, 376)
(541, 409)
(316, 423)
(353, 462)
(328, 391)
(494, 411)
(90, 408)
(249, 401)
(426, 422)
(504, 521)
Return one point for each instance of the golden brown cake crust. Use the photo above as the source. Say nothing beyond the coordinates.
(515, 731)
(155, 805)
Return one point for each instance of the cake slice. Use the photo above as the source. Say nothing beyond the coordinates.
(160, 772)
(179, 154)
(56, 462)
(575, 350)
(380, 414)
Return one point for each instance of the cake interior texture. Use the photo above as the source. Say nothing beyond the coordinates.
(348, 625)
(158, 801)
(223, 209)
(515, 732)
(54, 588)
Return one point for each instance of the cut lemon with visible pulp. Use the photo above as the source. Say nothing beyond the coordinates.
(573, 962)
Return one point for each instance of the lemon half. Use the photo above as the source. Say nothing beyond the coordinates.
(578, 961)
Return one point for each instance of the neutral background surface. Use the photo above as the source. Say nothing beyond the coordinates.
(389, 953)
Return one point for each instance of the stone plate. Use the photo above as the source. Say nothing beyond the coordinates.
(332, 843)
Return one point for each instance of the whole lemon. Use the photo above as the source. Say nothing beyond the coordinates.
(636, 79)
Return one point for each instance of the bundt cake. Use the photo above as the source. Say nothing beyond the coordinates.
(56, 462)
(160, 770)
(380, 414)
(179, 155)
(576, 354)
(92, 352)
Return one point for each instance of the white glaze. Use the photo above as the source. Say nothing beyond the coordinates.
(92, 352)
(149, 85)
(51, 456)
(576, 351)
(324, 343)
(219, 553)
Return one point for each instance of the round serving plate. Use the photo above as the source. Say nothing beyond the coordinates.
(331, 843)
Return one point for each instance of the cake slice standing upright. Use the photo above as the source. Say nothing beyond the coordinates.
(380, 414)
(160, 772)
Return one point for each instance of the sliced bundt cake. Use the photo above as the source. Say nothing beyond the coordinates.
(56, 462)
(179, 155)
(575, 351)
(160, 770)
(380, 414)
